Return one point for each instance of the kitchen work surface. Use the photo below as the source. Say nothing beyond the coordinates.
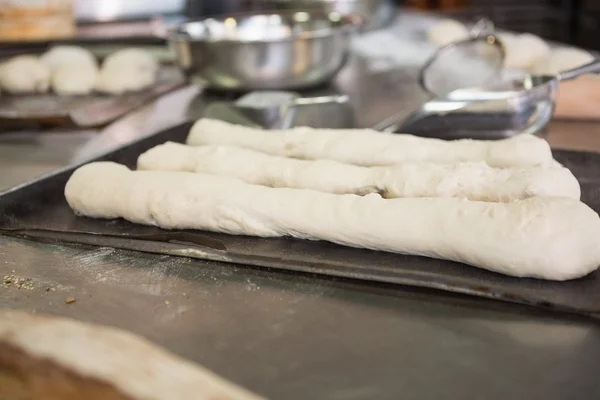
(297, 336)
(291, 335)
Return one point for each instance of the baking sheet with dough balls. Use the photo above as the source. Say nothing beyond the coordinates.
(59, 56)
(447, 31)
(524, 50)
(24, 74)
(127, 70)
(74, 79)
(562, 59)
(45, 357)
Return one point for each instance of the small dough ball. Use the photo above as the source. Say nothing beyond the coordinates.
(74, 70)
(523, 51)
(127, 70)
(25, 74)
(560, 60)
(507, 38)
(447, 31)
(74, 79)
(63, 55)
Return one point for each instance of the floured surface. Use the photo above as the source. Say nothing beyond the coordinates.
(475, 181)
(549, 238)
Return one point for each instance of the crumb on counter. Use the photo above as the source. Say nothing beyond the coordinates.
(17, 282)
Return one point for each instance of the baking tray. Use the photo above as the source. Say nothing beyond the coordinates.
(91, 111)
(38, 210)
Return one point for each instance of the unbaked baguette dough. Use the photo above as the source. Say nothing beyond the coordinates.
(475, 181)
(53, 358)
(371, 148)
(551, 238)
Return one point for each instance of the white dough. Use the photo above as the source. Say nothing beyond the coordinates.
(124, 362)
(59, 56)
(74, 79)
(475, 181)
(523, 51)
(447, 31)
(563, 59)
(24, 74)
(544, 237)
(74, 69)
(127, 70)
(371, 148)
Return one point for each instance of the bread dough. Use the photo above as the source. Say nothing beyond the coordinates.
(24, 74)
(74, 79)
(563, 59)
(74, 69)
(127, 70)
(371, 148)
(523, 51)
(544, 237)
(55, 358)
(59, 56)
(447, 31)
(475, 181)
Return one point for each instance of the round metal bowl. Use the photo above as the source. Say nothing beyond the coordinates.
(264, 51)
(375, 13)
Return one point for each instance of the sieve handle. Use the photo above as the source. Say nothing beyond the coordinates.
(589, 68)
(483, 27)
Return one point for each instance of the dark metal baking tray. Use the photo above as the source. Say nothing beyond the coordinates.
(94, 110)
(39, 211)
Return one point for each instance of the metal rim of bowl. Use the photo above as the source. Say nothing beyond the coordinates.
(348, 22)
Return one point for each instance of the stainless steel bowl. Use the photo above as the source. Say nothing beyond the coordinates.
(375, 13)
(264, 51)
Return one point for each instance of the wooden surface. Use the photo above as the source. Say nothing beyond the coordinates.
(574, 135)
(579, 99)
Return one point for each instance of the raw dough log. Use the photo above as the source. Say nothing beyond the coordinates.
(52, 358)
(371, 148)
(475, 181)
(544, 237)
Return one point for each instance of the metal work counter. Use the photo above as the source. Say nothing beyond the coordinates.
(295, 336)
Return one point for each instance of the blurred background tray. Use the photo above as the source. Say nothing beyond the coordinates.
(51, 110)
